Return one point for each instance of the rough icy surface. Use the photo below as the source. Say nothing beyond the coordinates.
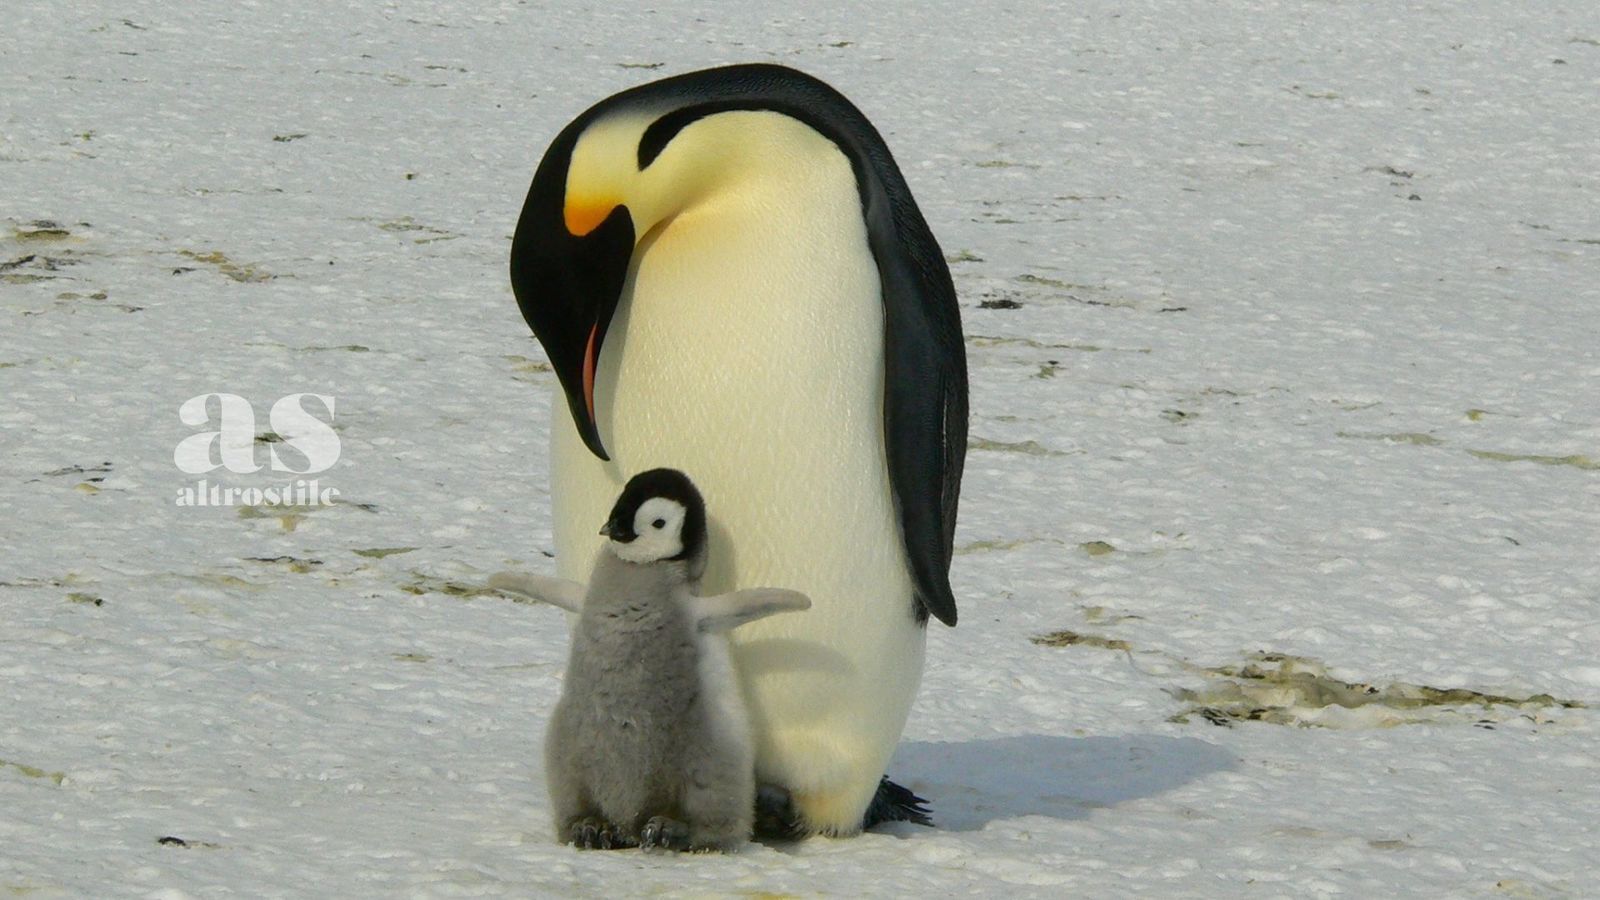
(1277, 563)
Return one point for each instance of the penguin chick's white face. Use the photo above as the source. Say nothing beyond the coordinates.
(659, 515)
(657, 532)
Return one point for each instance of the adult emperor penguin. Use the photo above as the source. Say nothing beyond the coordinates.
(730, 277)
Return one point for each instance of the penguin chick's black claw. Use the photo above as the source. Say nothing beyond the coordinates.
(893, 803)
(665, 834)
(583, 834)
(596, 834)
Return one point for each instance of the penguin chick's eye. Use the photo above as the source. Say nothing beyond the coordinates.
(659, 524)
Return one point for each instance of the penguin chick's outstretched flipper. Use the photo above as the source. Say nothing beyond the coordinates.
(725, 612)
(555, 591)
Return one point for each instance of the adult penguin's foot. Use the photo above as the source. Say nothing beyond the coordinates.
(776, 817)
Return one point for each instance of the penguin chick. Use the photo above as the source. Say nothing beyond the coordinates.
(650, 744)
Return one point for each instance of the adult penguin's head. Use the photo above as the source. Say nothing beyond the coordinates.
(631, 164)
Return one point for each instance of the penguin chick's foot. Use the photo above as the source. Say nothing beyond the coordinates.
(597, 834)
(665, 834)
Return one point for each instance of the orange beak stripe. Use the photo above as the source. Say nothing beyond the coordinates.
(583, 217)
(588, 371)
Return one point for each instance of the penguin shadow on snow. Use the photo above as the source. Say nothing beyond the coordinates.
(972, 783)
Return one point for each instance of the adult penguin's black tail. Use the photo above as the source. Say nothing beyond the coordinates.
(894, 803)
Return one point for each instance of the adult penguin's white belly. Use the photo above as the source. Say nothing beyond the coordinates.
(747, 351)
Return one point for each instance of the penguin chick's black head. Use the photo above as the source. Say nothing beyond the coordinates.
(660, 515)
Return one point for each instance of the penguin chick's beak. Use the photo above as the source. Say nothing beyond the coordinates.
(618, 531)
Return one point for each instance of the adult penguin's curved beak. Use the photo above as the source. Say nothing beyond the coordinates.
(569, 263)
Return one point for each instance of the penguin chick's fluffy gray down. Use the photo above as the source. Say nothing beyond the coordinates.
(650, 743)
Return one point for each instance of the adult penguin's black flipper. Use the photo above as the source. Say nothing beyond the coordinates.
(925, 363)
(925, 390)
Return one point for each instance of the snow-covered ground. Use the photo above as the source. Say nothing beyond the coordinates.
(1277, 563)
